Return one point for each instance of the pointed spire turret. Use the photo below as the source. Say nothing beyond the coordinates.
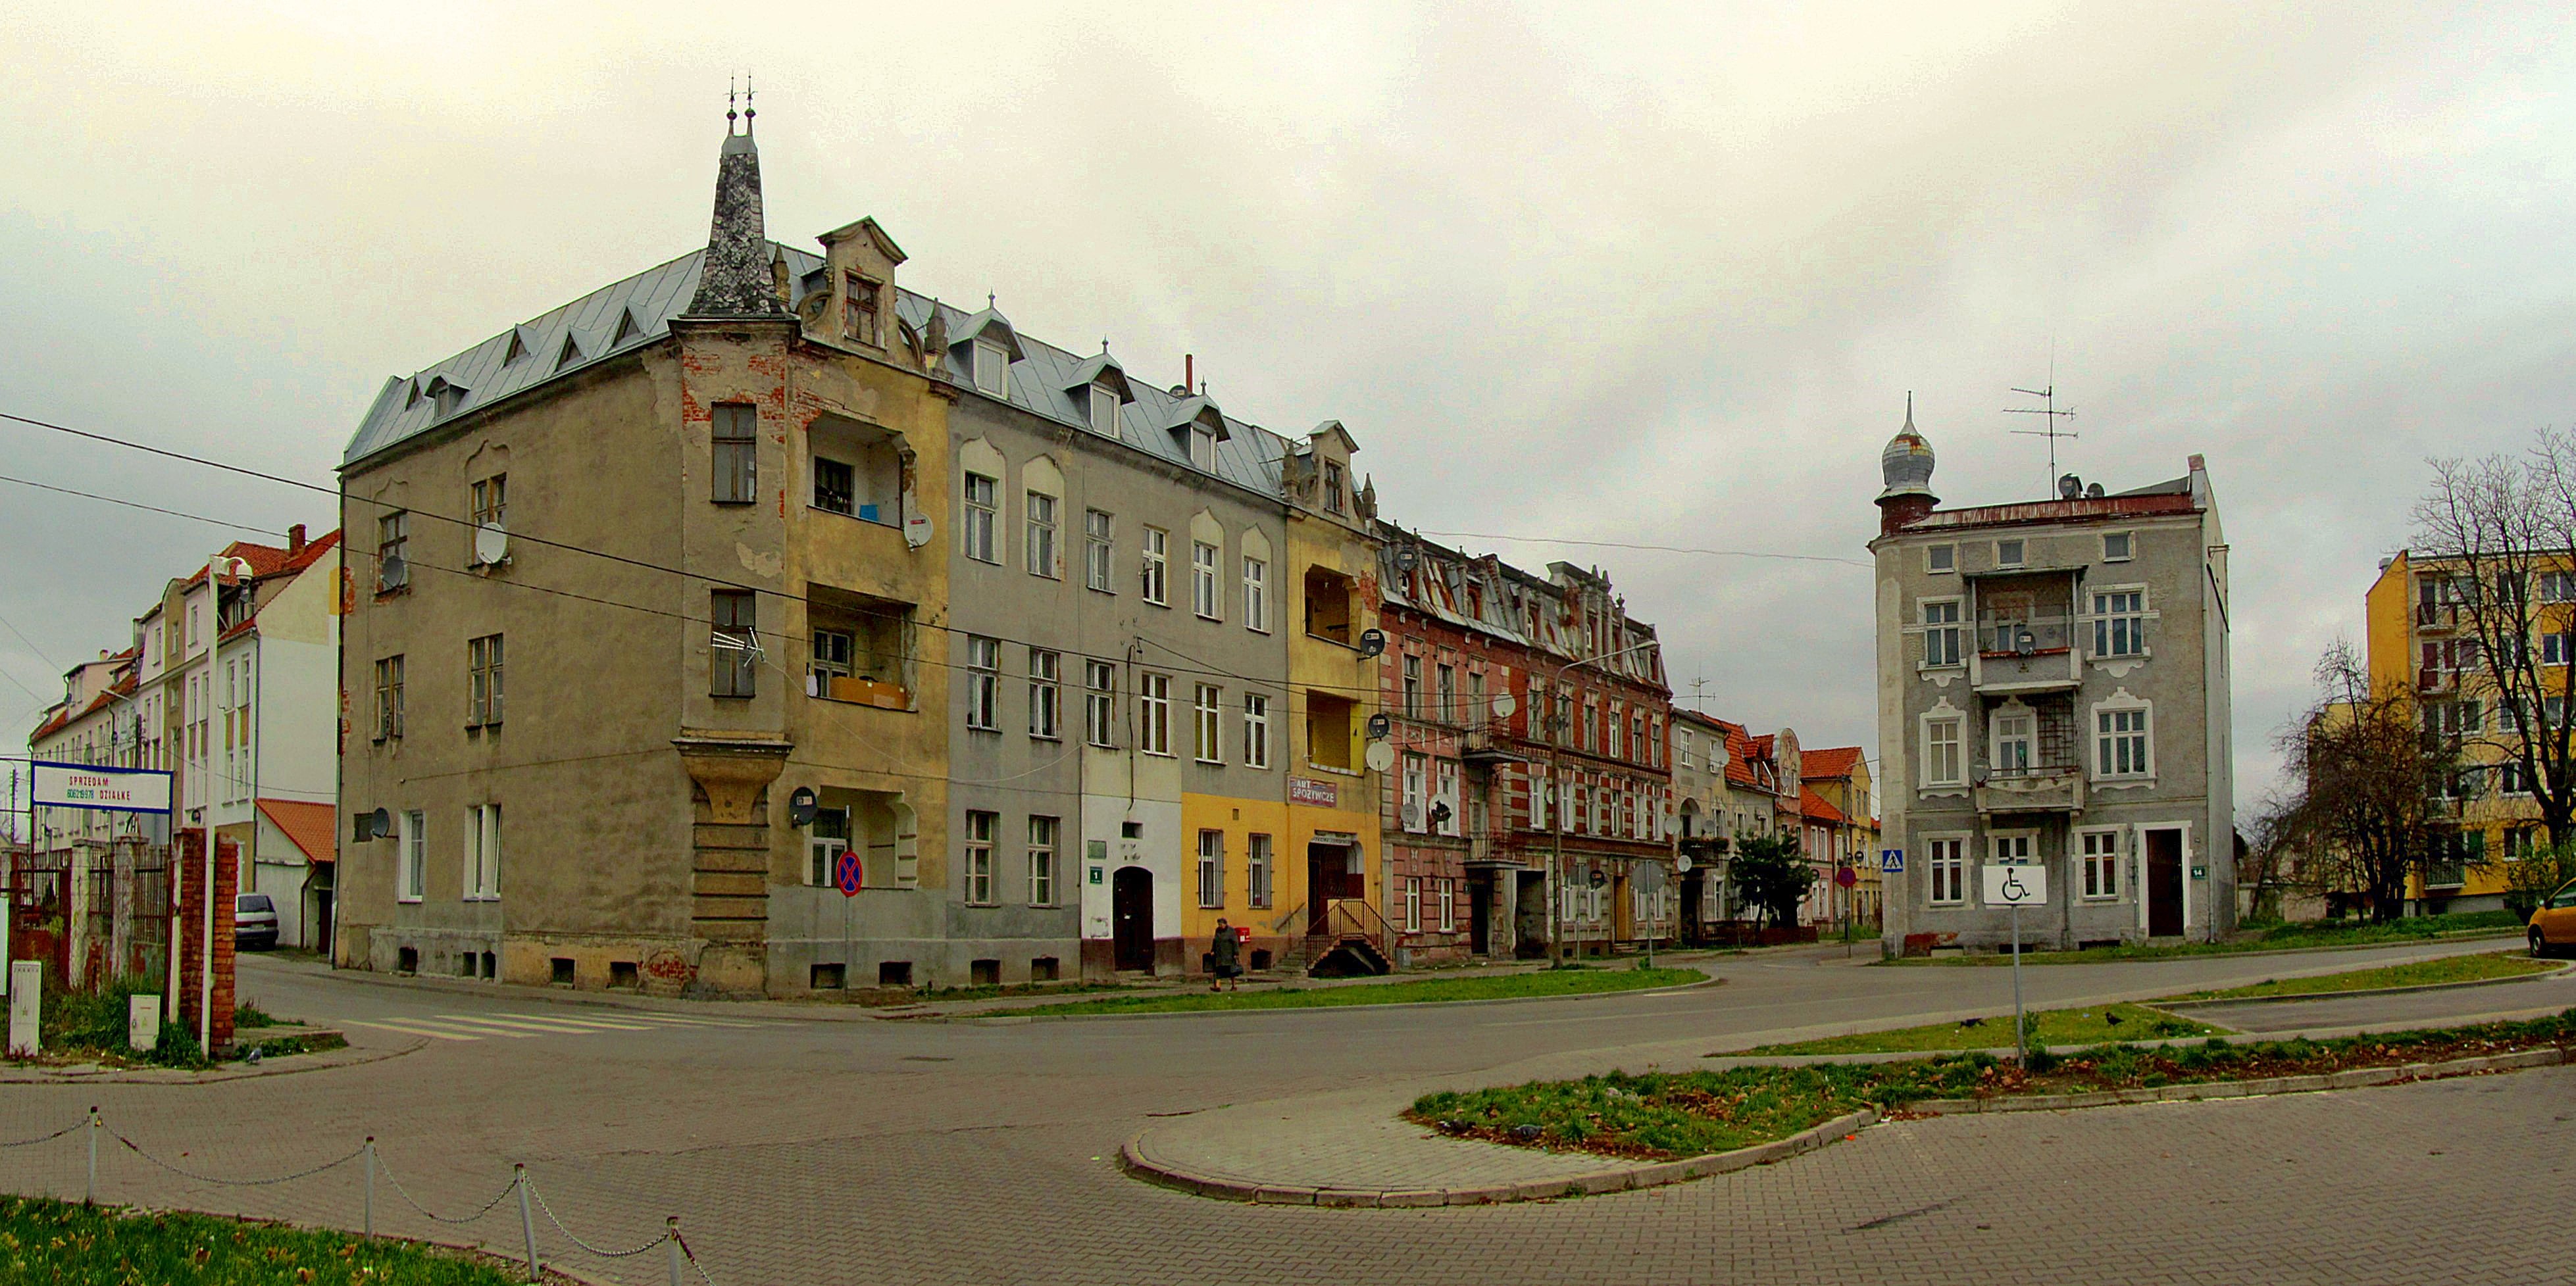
(734, 279)
(1906, 467)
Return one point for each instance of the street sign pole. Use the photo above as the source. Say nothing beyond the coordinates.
(2021, 1042)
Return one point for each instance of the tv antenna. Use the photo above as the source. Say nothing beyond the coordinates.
(2048, 426)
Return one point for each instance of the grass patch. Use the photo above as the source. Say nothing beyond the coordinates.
(249, 1014)
(2413, 973)
(1664, 1115)
(2305, 935)
(2047, 1027)
(71, 1245)
(1515, 986)
(83, 1026)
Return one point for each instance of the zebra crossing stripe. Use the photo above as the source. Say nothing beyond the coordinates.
(410, 1030)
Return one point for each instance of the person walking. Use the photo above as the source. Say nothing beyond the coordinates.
(1226, 949)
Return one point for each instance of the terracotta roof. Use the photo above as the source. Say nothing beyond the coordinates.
(313, 827)
(1816, 809)
(1833, 763)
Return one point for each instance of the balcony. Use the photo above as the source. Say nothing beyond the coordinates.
(2029, 654)
(2437, 680)
(1488, 742)
(2437, 618)
(2050, 789)
(1491, 848)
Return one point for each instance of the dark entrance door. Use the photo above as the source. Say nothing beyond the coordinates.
(1131, 918)
(2164, 884)
(1328, 876)
(1480, 913)
(1529, 916)
(1694, 887)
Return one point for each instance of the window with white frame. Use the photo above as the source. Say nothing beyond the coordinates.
(1042, 846)
(983, 683)
(1040, 539)
(1944, 764)
(1203, 593)
(2099, 853)
(1256, 595)
(1448, 905)
(1205, 736)
(828, 838)
(1940, 632)
(1154, 713)
(983, 502)
(993, 369)
(2008, 553)
(483, 681)
(1417, 785)
(1211, 868)
(2120, 622)
(2558, 587)
(2118, 546)
(2012, 848)
(1203, 447)
(1257, 873)
(1150, 572)
(1682, 746)
(1256, 730)
(2555, 648)
(1444, 794)
(2513, 779)
(2121, 746)
(980, 827)
(412, 881)
(1100, 704)
(483, 853)
(1413, 904)
(1104, 409)
(1938, 559)
(2015, 734)
(1046, 694)
(1096, 550)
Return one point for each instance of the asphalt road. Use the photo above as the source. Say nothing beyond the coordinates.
(816, 1145)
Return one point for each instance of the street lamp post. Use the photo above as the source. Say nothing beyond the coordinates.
(1556, 785)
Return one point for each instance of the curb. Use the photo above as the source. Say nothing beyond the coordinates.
(2354, 1078)
(1016, 1020)
(284, 1065)
(1134, 1159)
(2005, 960)
(2359, 991)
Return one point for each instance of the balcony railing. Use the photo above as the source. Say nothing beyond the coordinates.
(2024, 636)
(2436, 680)
(2437, 616)
(2050, 788)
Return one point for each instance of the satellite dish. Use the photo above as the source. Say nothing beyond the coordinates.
(916, 531)
(1372, 642)
(1412, 816)
(1682, 863)
(380, 824)
(1380, 756)
(392, 573)
(491, 543)
(1406, 556)
(800, 806)
(1379, 725)
(1504, 705)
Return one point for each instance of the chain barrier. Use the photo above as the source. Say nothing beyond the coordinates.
(670, 1241)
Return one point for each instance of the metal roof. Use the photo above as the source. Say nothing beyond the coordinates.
(1044, 380)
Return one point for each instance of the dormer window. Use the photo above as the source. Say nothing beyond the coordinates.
(1332, 487)
(993, 369)
(1203, 447)
(859, 309)
(1104, 409)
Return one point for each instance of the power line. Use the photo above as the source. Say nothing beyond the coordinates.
(137, 504)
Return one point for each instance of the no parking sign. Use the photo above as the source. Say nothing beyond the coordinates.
(848, 874)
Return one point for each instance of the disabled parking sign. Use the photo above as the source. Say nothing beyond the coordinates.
(2015, 885)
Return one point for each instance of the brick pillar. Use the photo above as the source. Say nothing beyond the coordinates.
(189, 904)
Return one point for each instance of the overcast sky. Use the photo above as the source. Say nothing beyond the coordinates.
(1651, 276)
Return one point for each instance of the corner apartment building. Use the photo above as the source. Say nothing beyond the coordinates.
(2054, 691)
(1529, 801)
(811, 634)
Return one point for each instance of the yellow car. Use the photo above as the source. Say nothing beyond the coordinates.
(2553, 925)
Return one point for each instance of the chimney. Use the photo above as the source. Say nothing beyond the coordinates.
(1189, 373)
(295, 539)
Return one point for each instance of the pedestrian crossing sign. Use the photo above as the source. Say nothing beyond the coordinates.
(1891, 860)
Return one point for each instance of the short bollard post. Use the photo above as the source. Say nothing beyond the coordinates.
(371, 1187)
(527, 1222)
(671, 1242)
(89, 1195)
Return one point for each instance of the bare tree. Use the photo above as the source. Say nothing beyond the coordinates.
(2503, 529)
(2363, 806)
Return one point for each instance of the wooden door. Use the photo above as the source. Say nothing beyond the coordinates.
(1131, 918)
(2164, 884)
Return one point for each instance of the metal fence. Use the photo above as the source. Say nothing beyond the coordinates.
(97, 1141)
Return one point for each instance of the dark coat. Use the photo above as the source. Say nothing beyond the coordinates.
(1225, 947)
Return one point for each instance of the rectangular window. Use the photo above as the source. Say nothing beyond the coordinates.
(993, 369)
(1444, 797)
(2554, 649)
(1256, 595)
(1940, 558)
(490, 501)
(1448, 905)
(1100, 704)
(1046, 694)
(1413, 904)
(2012, 848)
(2120, 748)
(1257, 854)
(832, 652)
(983, 503)
(983, 683)
(1041, 534)
(1942, 762)
(979, 856)
(1941, 632)
(2120, 623)
(483, 681)
(736, 451)
(830, 839)
(393, 565)
(1256, 730)
(1203, 447)
(1332, 487)
(1104, 409)
(1154, 713)
(2014, 734)
(1211, 868)
(2100, 853)
(2008, 553)
(2558, 587)
(1946, 861)
(1446, 690)
(414, 875)
(733, 642)
(483, 853)
(1416, 805)
(836, 487)
(859, 308)
(389, 697)
(1204, 741)
(1042, 844)
(1150, 571)
(1096, 530)
(1203, 596)
(1412, 687)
